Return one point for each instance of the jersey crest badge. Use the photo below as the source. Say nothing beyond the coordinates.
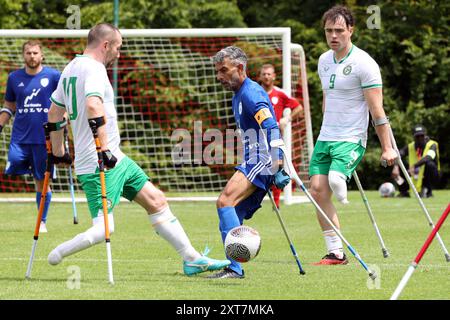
(44, 82)
(274, 100)
(347, 70)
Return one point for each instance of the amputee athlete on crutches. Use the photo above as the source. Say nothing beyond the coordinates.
(352, 88)
(85, 94)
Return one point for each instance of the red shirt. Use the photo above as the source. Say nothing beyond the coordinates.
(280, 101)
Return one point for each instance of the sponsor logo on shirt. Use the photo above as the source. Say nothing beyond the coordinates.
(21, 85)
(29, 106)
(26, 103)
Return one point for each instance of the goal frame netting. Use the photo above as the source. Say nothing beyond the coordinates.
(289, 50)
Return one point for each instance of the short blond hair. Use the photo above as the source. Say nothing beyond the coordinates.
(267, 66)
(32, 43)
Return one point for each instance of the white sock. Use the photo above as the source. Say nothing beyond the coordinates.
(78, 243)
(338, 184)
(96, 233)
(90, 237)
(333, 243)
(170, 229)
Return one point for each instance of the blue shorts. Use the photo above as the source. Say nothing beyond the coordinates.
(248, 206)
(27, 159)
(260, 176)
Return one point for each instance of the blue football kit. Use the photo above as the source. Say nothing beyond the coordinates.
(31, 95)
(256, 122)
(255, 119)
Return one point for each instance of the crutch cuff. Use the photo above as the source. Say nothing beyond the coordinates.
(380, 121)
(55, 126)
(97, 122)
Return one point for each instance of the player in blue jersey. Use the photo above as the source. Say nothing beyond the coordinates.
(257, 125)
(27, 97)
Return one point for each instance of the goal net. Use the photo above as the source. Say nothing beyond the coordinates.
(168, 96)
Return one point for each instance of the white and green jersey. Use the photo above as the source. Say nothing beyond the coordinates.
(84, 77)
(346, 113)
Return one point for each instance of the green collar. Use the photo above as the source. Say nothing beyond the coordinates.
(345, 58)
(83, 56)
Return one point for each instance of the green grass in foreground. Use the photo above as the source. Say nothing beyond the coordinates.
(146, 267)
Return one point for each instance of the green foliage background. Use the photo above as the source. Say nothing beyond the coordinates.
(411, 48)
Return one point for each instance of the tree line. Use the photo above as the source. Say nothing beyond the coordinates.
(408, 39)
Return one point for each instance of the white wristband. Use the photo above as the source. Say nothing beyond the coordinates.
(7, 110)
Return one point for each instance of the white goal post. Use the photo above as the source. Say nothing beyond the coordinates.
(166, 82)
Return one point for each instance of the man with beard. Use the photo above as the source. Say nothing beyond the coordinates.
(85, 95)
(27, 96)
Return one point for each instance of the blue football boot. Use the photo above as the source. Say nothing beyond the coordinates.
(203, 264)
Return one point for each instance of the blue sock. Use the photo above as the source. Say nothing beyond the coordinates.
(48, 199)
(228, 219)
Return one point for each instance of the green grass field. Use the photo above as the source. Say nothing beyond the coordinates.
(146, 267)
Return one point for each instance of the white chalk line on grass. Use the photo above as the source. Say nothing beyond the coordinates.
(384, 265)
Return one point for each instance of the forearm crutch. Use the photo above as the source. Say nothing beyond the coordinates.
(101, 167)
(371, 216)
(72, 191)
(280, 144)
(48, 171)
(291, 245)
(422, 251)
(413, 188)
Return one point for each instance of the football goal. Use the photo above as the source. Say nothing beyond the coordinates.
(165, 84)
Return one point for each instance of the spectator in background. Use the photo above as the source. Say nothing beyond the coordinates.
(280, 101)
(27, 96)
(422, 156)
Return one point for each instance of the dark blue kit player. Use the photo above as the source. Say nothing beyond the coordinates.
(27, 99)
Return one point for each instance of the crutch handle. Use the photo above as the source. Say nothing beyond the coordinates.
(384, 163)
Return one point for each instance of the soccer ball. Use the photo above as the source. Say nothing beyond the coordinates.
(242, 243)
(387, 190)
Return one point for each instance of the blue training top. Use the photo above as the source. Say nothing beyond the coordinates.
(253, 111)
(31, 93)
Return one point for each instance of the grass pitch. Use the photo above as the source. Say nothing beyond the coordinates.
(146, 267)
